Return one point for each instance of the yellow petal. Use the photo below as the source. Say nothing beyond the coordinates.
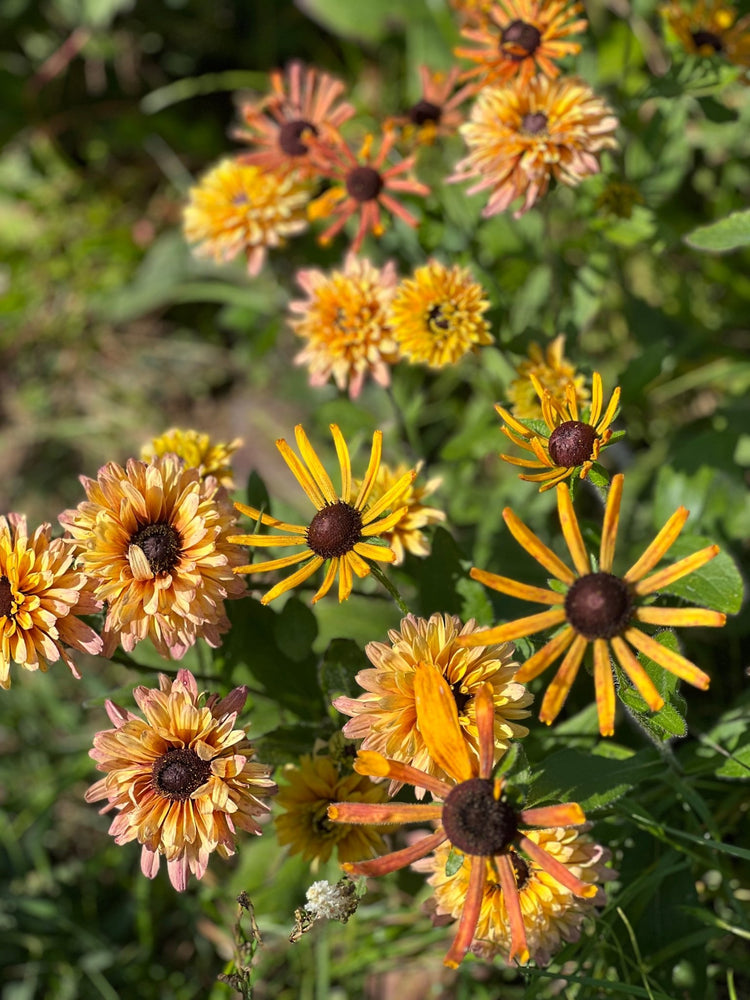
(437, 721)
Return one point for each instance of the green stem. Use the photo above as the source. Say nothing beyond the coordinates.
(380, 575)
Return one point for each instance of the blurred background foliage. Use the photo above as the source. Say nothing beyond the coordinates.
(110, 332)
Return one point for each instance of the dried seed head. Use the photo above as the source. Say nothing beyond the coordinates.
(475, 821)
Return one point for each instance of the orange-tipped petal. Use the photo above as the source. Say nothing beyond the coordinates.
(605, 688)
(676, 571)
(667, 658)
(380, 813)
(467, 925)
(536, 548)
(298, 577)
(375, 765)
(681, 617)
(558, 691)
(610, 524)
(398, 859)
(545, 657)
(642, 682)
(511, 421)
(437, 721)
(282, 563)
(565, 814)
(484, 707)
(656, 551)
(516, 589)
(272, 522)
(557, 870)
(514, 630)
(518, 945)
(571, 531)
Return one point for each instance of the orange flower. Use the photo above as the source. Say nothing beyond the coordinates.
(711, 27)
(599, 608)
(362, 185)
(552, 371)
(532, 37)
(304, 104)
(438, 111)
(183, 781)
(523, 135)
(474, 816)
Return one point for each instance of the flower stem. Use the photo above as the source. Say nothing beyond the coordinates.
(380, 576)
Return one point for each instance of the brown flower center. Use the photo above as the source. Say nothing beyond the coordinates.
(534, 123)
(475, 821)
(520, 40)
(701, 39)
(178, 772)
(572, 443)
(460, 697)
(598, 605)
(161, 544)
(364, 183)
(437, 321)
(425, 111)
(290, 137)
(334, 530)
(6, 597)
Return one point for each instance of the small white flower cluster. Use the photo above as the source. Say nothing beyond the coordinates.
(336, 902)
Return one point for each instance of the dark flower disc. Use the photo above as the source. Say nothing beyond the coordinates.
(572, 443)
(425, 111)
(475, 821)
(520, 40)
(703, 38)
(599, 605)
(161, 544)
(290, 136)
(364, 183)
(534, 123)
(6, 597)
(334, 530)
(178, 772)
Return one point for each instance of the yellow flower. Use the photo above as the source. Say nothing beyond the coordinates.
(711, 27)
(41, 597)
(571, 443)
(183, 781)
(521, 136)
(552, 914)
(552, 371)
(437, 315)
(198, 451)
(474, 816)
(438, 112)
(242, 209)
(532, 36)
(345, 322)
(341, 528)
(406, 534)
(152, 539)
(303, 104)
(386, 716)
(599, 608)
(304, 824)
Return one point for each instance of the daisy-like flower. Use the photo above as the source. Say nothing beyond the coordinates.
(344, 321)
(474, 816)
(210, 458)
(711, 27)
(472, 10)
(438, 111)
(437, 315)
(523, 135)
(386, 717)
(41, 597)
(407, 535)
(571, 443)
(237, 209)
(304, 824)
(362, 184)
(344, 530)
(302, 103)
(552, 914)
(184, 781)
(552, 371)
(599, 608)
(532, 37)
(152, 539)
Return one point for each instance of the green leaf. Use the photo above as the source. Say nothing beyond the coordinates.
(287, 742)
(453, 863)
(717, 585)
(366, 21)
(590, 780)
(730, 741)
(668, 722)
(342, 661)
(257, 496)
(722, 236)
(295, 629)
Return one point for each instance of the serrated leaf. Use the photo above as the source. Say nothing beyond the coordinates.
(342, 661)
(717, 585)
(593, 782)
(668, 723)
(722, 236)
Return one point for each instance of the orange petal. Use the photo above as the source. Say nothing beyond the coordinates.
(514, 630)
(437, 721)
(605, 688)
(557, 692)
(544, 657)
(375, 765)
(472, 907)
(676, 571)
(643, 683)
(380, 813)
(681, 617)
(667, 658)
(516, 589)
(484, 707)
(536, 548)
(398, 859)
(571, 531)
(610, 524)
(565, 814)
(659, 547)
(557, 870)
(518, 945)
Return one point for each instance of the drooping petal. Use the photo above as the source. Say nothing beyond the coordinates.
(437, 719)
(467, 925)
